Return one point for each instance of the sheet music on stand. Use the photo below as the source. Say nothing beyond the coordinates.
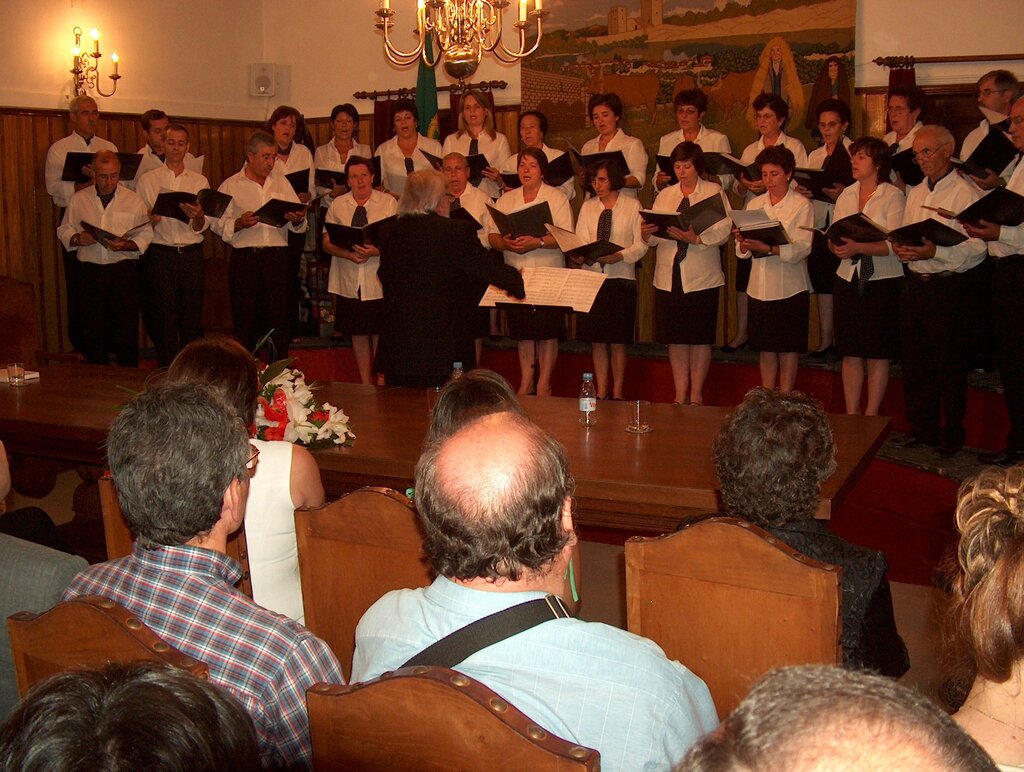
(571, 289)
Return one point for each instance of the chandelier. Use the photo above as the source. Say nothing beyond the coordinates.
(463, 30)
(86, 73)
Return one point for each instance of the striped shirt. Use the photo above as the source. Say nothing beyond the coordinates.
(185, 595)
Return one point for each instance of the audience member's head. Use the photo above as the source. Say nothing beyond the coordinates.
(772, 455)
(224, 364)
(985, 624)
(817, 717)
(495, 499)
(462, 401)
(128, 717)
(174, 451)
(423, 193)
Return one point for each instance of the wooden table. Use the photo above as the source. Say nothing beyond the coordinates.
(635, 483)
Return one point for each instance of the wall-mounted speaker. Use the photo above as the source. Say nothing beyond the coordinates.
(262, 79)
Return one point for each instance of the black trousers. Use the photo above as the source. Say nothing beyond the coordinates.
(934, 338)
(260, 294)
(171, 286)
(73, 292)
(296, 243)
(110, 312)
(1008, 313)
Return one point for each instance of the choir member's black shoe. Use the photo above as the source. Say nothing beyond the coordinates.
(911, 442)
(733, 349)
(1005, 457)
(947, 449)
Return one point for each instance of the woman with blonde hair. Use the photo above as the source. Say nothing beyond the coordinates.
(985, 624)
(477, 135)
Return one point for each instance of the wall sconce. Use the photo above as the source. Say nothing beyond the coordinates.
(87, 73)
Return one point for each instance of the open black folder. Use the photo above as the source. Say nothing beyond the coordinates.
(525, 222)
(572, 245)
(75, 160)
(903, 163)
(273, 212)
(854, 227)
(435, 161)
(559, 171)
(464, 214)
(700, 217)
(299, 180)
(477, 163)
(613, 157)
(913, 235)
(213, 202)
(346, 237)
(838, 170)
(756, 224)
(999, 206)
(726, 163)
(994, 153)
(666, 166)
(104, 237)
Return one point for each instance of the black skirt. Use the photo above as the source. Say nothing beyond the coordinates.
(867, 325)
(535, 323)
(779, 325)
(360, 317)
(743, 274)
(821, 266)
(612, 318)
(686, 318)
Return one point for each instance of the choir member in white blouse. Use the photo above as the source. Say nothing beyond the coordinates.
(476, 134)
(690, 106)
(779, 284)
(533, 127)
(605, 111)
(609, 325)
(687, 275)
(402, 155)
(333, 155)
(868, 280)
(833, 120)
(536, 329)
(771, 112)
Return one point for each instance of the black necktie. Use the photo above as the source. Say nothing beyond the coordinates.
(88, 140)
(1002, 125)
(286, 151)
(681, 247)
(867, 270)
(359, 219)
(604, 225)
(408, 166)
(474, 146)
(455, 204)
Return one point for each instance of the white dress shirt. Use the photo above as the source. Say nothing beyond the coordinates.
(751, 152)
(495, 150)
(328, 158)
(708, 140)
(151, 161)
(170, 231)
(561, 216)
(1011, 237)
(298, 159)
(392, 161)
(125, 211)
(702, 267)
(954, 193)
(626, 224)
(777, 277)
(884, 207)
(817, 159)
(971, 142)
(348, 279)
(248, 196)
(475, 201)
(61, 192)
(633, 150)
(568, 187)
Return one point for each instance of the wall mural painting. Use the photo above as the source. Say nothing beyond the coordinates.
(647, 50)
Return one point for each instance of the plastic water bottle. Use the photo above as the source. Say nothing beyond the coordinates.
(588, 401)
(456, 371)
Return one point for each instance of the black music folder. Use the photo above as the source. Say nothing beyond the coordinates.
(700, 217)
(571, 245)
(75, 160)
(435, 161)
(854, 227)
(525, 222)
(994, 152)
(726, 163)
(213, 202)
(299, 180)
(756, 224)
(273, 212)
(346, 237)
(913, 235)
(614, 157)
(104, 237)
(464, 214)
(903, 163)
(999, 206)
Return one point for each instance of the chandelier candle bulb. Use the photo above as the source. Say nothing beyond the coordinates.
(522, 10)
(115, 59)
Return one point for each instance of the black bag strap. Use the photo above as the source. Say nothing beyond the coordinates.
(466, 641)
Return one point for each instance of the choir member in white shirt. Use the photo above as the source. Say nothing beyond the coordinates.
(690, 106)
(771, 113)
(333, 155)
(462, 195)
(779, 284)
(833, 121)
(609, 325)
(83, 115)
(934, 317)
(108, 275)
(533, 127)
(171, 279)
(605, 111)
(997, 91)
(476, 134)
(154, 123)
(687, 275)
(353, 276)
(259, 271)
(903, 109)
(536, 329)
(868, 280)
(1006, 246)
(402, 155)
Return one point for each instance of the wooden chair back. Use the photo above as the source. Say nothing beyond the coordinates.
(351, 552)
(730, 601)
(85, 632)
(431, 718)
(119, 537)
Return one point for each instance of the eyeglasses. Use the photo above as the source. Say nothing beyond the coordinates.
(250, 465)
(897, 109)
(925, 154)
(987, 92)
(687, 111)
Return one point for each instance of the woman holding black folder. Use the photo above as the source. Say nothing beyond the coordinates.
(405, 152)
(605, 112)
(537, 329)
(533, 128)
(687, 275)
(868, 280)
(476, 135)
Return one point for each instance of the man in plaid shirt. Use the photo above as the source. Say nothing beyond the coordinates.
(181, 461)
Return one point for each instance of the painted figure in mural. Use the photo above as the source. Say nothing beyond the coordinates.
(776, 74)
(832, 83)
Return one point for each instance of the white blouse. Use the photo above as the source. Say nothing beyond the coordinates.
(298, 158)
(751, 151)
(495, 150)
(702, 267)
(777, 277)
(328, 158)
(884, 207)
(626, 224)
(358, 280)
(561, 216)
(633, 150)
(392, 161)
(568, 187)
(708, 140)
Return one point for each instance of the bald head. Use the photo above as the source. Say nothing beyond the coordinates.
(933, 149)
(491, 498)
